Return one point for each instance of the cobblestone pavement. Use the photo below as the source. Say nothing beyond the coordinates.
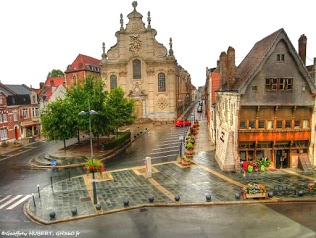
(117, 188)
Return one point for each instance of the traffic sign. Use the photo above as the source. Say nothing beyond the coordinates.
(53, 163)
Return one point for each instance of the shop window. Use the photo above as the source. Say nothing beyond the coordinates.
(242, 155)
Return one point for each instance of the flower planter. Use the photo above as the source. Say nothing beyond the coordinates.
(254, 191)
(255, 195)
(185, 163)
(189, 152)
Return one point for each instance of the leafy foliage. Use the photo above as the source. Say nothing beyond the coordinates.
(58, 120)
(61, 119)
(55, 73)
(120, 108)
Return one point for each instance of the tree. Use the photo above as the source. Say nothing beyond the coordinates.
(91, 92)
(55, 73)
(120, 108)
(59, 121)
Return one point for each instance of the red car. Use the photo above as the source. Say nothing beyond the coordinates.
(180, 123)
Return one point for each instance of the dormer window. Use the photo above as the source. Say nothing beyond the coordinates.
(280, 58)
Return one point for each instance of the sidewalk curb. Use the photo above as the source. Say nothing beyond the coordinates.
(176, 204)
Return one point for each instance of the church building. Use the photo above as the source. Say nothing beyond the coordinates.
(146, 71)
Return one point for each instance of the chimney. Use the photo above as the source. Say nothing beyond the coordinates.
(222, 68)
(231, 67)
(302, 44)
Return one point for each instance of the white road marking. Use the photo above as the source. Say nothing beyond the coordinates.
(18, 202)
(11, 200)
(5, 198)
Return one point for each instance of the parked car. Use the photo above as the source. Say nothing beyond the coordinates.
(199, 109)
(180, 123)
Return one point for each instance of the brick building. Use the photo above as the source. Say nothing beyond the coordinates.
(19, 112)
(83, 66)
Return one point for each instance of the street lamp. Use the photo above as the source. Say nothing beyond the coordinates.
(83, 113)
(180, 100)
(183, 137)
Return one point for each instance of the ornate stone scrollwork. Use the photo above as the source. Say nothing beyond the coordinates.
(135, 44)
(162, 103)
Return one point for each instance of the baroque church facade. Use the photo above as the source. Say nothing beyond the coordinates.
(146, 71)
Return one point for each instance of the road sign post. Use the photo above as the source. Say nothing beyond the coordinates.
(53, 162)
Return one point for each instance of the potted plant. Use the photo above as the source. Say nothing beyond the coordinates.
(93, 166)
(185, 160)
(312, 187)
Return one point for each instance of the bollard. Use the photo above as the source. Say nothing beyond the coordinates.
(270, 194)
(51, 181)
(98, 206)
(68, 174)
(126, 202)
(74, 211)
(38, 190)
(208, 197)
(52, 215)
(151, 198)
(33, 199)
(237, 195)
(300, 193)
(177, 198)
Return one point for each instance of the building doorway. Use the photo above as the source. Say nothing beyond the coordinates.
(16, 133)
(281, 158)
(138, 109)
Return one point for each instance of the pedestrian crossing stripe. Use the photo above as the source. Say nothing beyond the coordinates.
(11, 200)
(18, 202)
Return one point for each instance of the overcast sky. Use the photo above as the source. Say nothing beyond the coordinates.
(40, 35)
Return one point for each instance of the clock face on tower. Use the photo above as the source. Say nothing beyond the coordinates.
(135, 27)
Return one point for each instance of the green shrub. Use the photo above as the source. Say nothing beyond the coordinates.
(120, 139)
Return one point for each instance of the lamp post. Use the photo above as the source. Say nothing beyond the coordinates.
(180, 100)
(183, 137)
(83, 113)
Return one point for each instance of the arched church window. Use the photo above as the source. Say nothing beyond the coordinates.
(161, 82)
(137, 69)
(113, 81)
